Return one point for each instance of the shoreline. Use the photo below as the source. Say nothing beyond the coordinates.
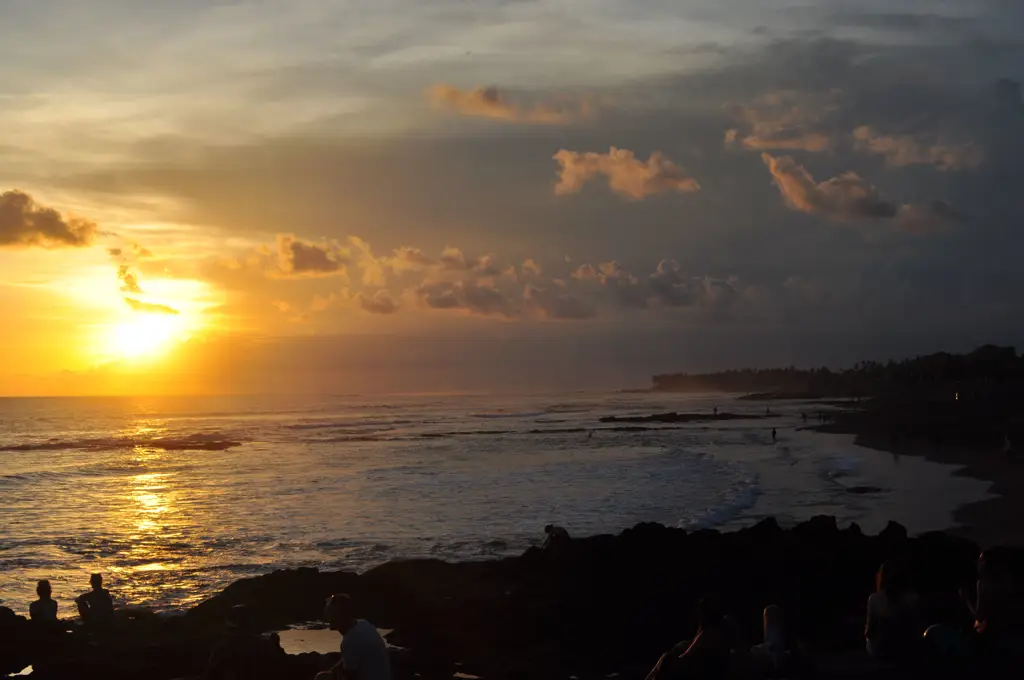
(988, 522)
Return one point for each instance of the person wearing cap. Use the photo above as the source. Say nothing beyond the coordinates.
(364, 654)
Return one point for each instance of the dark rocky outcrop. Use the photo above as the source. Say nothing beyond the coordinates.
(597, 606)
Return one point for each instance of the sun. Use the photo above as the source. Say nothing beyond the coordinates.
(145, 335)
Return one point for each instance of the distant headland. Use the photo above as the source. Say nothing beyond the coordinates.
(990, 370)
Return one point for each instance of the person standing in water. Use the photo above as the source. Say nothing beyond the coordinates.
(775, 436)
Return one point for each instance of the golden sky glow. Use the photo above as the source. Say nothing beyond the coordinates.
(344, 196)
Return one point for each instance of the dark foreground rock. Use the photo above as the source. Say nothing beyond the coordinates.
(597, 606)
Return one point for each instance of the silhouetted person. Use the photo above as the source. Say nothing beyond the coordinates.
(707, 655)
(96, 607)
(557, 537)
(767, 411)
(364, 654)
(892, 627)
(775, 649)
(716, 411)
(995, 606)
(44, 609)
(775, 436)
(803, 417)
(243, 653)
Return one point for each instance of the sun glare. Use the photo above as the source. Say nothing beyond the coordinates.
(145, 335)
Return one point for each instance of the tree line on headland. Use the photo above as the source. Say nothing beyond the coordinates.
(989, 371)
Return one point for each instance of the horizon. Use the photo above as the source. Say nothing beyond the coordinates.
(413, 197)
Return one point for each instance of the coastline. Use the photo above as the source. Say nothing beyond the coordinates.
(988, 522)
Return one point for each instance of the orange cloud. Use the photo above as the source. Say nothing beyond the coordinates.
(901, 150)
(23, 222)
(627, 175)
(849, 197)
(489, 102)
(783, 120)
(149, 307)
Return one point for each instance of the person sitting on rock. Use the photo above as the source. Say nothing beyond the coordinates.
(44, 609)
(707, 655)
(244, 653)
(364, 654)
(892, 629)
(995, 605)
(96, 607)
(775, 648)
(557, 537)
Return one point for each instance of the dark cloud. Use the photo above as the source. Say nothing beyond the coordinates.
(922, 217)
(114, 252)
(301, 258)
(901, 150)
(23, 222)
(490, 102)
(627, 175)
(554, 302)
(478, 299)
(668, 286)
(149, 307)
(381, 302)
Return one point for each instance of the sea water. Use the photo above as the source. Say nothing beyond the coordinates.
(173, 499)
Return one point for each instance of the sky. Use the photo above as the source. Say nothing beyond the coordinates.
(342, 196)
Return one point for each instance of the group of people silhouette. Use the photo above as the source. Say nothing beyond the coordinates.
(895, 630)
(95, 606)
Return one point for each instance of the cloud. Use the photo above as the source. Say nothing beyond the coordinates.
(920, 217)
(668, 286)
(841, 198)
(381, 302)
(149, 307)
(850, 197)
(300, 258)
(479, 299)
(902, 150)
(530, 268)
(556, 303)
(784, 120)
(114, 252)
(489, 102)
(627, 176)
(23, 222)
(453, 258)
(129, 282)
(410, 259)
(141, 252)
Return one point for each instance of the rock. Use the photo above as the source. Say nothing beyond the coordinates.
(605, 604)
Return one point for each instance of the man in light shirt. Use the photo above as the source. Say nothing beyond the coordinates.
(364, 654)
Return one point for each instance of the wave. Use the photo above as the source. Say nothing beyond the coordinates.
(734, 502)
(192, 442)
(503, 414)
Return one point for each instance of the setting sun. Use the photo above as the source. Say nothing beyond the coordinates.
(145, 335)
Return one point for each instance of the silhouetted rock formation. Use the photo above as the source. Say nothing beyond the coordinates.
(601, 605)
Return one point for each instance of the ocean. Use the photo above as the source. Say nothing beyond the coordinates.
(174, 498)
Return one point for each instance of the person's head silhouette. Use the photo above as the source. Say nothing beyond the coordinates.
(43, 590)
(96, 581)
